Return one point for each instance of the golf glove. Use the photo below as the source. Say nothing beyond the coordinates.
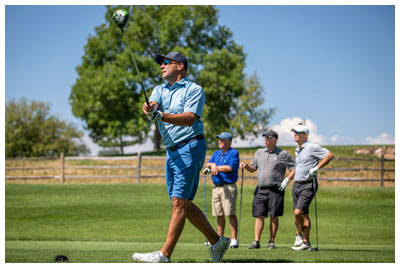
(313, 172)
(154, 115)
(283, 185)
(207, 171)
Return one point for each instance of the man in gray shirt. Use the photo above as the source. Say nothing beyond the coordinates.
(271, 163)
(310, 157)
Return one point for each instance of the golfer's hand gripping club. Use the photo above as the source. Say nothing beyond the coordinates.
(313, 172)
(151, 111)
(206, 171)
(284, 184)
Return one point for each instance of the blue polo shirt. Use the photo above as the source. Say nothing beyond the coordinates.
(183, 96)
(230, 158)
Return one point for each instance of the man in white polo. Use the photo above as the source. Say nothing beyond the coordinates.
(310, 157)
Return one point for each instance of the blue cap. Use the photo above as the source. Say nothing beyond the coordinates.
(176, 56)
(225, 135)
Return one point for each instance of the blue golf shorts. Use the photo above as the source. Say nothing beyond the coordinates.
(182, 168)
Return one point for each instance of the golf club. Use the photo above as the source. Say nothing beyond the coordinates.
(205, 203)
(205, 194)
(316, 214)
(240, 209)
(121, 17)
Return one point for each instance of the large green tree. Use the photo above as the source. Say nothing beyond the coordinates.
(249, 116)
(107, 93)
(31, 131)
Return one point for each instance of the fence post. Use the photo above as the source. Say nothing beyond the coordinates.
(139, 163)
(382, 168)
(62, 168)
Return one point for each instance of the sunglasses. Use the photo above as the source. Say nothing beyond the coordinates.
(168, 62)
(299, 132)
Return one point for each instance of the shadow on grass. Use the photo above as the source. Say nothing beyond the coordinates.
(240, 261)
(349, 250)
(258, 261)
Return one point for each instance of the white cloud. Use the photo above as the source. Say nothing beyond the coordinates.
(285, 135)
(383, 138)
(249, 142)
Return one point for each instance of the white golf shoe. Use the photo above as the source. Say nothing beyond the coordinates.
(299, 240)
(152, 257)
(218, 250)
(234, 243)
(304, 246)
(271, 245)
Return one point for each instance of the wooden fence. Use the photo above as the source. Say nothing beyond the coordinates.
(139, 167)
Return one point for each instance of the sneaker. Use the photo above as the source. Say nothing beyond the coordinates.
(207, 244)
(234, 243)
(154, 257)
(304, 246)
(271, 245)
(255, 244)
(299, 240)
(218, 250)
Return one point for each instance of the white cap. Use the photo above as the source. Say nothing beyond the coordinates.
(301, 128)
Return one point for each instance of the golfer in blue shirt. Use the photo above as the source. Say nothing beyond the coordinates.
(224, 165)
(177, 107)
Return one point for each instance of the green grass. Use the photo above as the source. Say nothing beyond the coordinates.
(98, 223)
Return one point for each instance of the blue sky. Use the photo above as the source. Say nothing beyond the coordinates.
(333, 66)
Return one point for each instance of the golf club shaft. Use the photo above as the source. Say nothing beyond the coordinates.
(315, 202)
(240, 209)
(205, 199)
(137, 70)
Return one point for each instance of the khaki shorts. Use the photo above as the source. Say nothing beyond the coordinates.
(224, 200)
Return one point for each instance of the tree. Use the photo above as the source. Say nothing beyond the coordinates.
(249, 116)
(30, 131)
(107, 93)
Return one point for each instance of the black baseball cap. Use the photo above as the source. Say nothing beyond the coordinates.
(176, 56)
(270, 133)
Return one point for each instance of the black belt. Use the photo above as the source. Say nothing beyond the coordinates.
(267, 187)
(220, 185)
(182, 143)
(303, 182)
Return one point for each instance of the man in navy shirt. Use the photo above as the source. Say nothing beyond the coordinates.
(223, 166)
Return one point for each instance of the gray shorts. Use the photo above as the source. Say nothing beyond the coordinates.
(303, 194)
(268, 200)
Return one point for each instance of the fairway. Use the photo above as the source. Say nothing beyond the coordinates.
(99, 223)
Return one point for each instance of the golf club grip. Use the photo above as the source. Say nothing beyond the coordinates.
(144, 92)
